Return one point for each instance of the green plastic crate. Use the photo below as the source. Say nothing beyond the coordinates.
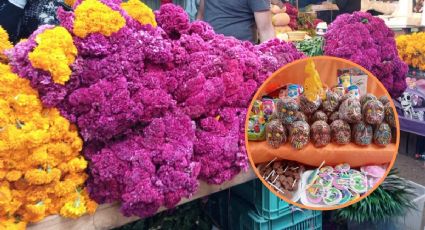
(244, 218)
(268, 205)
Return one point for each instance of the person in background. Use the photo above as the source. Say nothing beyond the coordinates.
(21, 17)
(238, 18)
(348, 6)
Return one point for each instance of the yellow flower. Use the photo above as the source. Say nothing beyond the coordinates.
(4, 44)
(35, 212)
(73, 208)
(411, 49)
(77, 165)
(139, 11)
(55, 53)
(90, 204)
(40, 176)
(13, 175)
(70, 2)
(5, 200)
(92, 16)
(63, 188)
(12, 224)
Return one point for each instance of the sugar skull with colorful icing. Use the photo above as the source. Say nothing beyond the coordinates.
(362, 133)
(350, 110)
(331, 101)
(382, 134)
(287, 108)
(367, 97)
(299, 134)
(268, 107)
(389, 115)
(340, 132)
(275, 133)
(320, 133)
(373, 112)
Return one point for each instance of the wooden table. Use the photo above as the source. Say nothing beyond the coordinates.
(108, 216)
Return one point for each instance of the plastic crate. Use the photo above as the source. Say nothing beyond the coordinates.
(244, 218)
(266, 203)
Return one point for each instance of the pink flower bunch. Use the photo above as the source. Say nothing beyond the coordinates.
(367, 41)
(157, 107)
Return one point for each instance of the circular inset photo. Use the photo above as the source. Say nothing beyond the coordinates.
(322, 133)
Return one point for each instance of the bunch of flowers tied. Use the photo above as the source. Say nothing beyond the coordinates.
(411, 49)
(41, 171)
(367, 41)
(158, 107)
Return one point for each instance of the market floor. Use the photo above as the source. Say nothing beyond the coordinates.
(410, 168)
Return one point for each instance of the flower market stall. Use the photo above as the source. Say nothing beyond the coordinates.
(139, 111)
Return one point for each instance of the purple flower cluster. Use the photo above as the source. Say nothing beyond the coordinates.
(158, 108)
(367, 41)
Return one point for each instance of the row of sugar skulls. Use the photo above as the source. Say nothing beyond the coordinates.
(156, 106)
(67, 84)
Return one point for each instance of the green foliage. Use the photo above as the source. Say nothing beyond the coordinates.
(311, 47)
(392, 198)
(189, 216)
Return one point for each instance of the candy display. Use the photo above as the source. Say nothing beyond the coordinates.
(344, 80)
(354, 90)
(268, 108)
(320, 133)
(286, 109)
(340, 132)
(300, 116)
(350, 110)
(384, 100)
(362, 133)
(382, 134)
(373, 112)
(283, 176)
(389, 115)
(331, 102)
(256, 128)
(275, 133)
(299, 134)
(333, 186)
(319, 116)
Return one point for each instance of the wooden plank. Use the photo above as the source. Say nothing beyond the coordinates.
(108, 216)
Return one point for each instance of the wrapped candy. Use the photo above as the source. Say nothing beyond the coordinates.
(299, 134)
(256, 129)
(286, 109)
(389, 115)
(319, 116)
(367, 97)
(382, 134)
(346, 96)
(350, 110)
(340, 132)
(373, 112)
(334, 116)
(384, 99)
(275, 133)
(331, 101)
(320, 133)
(256, 107)
(344, 80)
(307, 106)
(339, 90)
(354, 90)
(362, 133)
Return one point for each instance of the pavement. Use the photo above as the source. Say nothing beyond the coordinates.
(410, 168)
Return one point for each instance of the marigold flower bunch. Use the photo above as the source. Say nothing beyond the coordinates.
(4, 44)
(41, 169)
(146, 100)
(411, 49)
(367, 41)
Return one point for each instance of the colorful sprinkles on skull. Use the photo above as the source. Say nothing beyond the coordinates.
(299, 134)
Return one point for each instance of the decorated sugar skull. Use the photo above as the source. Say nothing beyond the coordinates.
(320, 133)
(268, 107)
(382, 134)
(256, 129)
(389, 115)
(307, 106)
(354, 90)
(384, 99)
(339, 90)
(321, 28)
(362, 133)
(275, 133)
(299, 134)
(333, 117)
(331, 101)
(367, 97)
(319, 116)
(407, 102)
(350, 110)
(373, 112)
(345, 80)
(340, 132)
(293, 91)
(287, 108)
(300, 116)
